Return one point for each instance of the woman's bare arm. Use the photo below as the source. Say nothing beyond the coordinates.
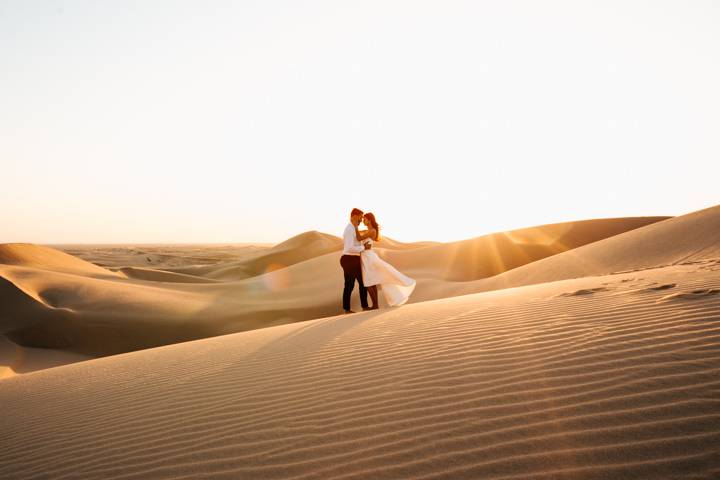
(369, 233)
(362, 235)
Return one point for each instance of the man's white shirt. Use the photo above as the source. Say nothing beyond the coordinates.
(351, 245)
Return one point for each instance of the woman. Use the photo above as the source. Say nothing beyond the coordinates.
(396, 287)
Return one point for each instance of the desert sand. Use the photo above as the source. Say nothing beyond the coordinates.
(139, 297)
(593, 354)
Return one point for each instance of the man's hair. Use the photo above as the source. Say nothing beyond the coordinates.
(356, 211)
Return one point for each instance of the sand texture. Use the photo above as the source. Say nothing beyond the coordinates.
(602, 377)
(597, 361)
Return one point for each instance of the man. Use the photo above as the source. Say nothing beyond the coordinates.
(350, 262)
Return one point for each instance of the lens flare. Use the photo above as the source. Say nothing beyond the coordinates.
(276, 277)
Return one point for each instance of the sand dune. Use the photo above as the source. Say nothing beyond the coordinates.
(45, 258)
(154, 275)
(685, 239)
(161, 256)
(494, 254)
(294, 250)
(300, 279)
(593, 378)
(300, 248)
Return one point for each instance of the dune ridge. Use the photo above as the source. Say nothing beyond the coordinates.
(685, 239)
(37, 256)
(157, 256)
(528, 382)
(491, 255)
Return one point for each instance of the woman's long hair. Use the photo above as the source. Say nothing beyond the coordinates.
(371, 218)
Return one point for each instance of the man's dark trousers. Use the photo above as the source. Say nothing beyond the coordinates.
(353, 272)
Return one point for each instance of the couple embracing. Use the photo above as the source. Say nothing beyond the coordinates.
(361, 264)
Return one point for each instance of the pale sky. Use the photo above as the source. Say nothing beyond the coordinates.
(208, 121)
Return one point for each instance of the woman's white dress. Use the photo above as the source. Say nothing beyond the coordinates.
(396, 287)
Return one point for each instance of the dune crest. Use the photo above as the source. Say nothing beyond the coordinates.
(685, 239)
(493, 254)
(36, 256)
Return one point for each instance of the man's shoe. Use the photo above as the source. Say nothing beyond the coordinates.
(367, 309)
(348, 311)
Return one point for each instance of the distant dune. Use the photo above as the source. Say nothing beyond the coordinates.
(295, 250)
(689, 238)
(155, 275)
(493, 254)
(27, 255)
(54, 300)
(160, 256)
